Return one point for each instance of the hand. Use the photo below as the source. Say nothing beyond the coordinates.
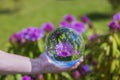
(44, 65)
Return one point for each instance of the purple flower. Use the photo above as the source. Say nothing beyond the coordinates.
(69, 18)
(64, 49)
(31, 34)
(90, 25)
(89, 57)
(76, 74)
(79, 27)
(85, 19)
(85, 69)
(116, 17)
(48, 27)
(94, 63)
(92, 37)
(114, 25)
(37, 34)
(65, 24)
(26, 78)
(77, 52)
(14, 38)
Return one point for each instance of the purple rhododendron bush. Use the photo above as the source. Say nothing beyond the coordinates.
(101, 56)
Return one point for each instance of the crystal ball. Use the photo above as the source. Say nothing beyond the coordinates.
(64, 47)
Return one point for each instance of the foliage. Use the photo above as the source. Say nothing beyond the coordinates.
(115, 4)
(103, 54)
(14, 5)
(103, 57)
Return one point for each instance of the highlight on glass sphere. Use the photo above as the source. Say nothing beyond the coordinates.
(64, 47)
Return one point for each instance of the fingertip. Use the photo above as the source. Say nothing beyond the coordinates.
(76, 65)
(81, 59)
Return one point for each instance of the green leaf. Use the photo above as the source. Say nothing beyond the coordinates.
(103, 45)
(118, 52)
(66, 75)
(100, 58)
(107, 50)
(49, 76)
(117, 63)
(119, 71)
(31, 54)
(41, 45)
(113, 66)
(18, 76)
(114, 47)
(56, 76)
(115, 77)
(117, 39)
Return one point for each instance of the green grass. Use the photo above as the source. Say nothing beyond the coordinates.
(36, 12)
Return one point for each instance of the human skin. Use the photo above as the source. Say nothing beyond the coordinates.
(12, 64)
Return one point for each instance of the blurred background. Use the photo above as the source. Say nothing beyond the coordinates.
(18, 14)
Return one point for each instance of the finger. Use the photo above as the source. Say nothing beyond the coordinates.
(81, 59)
(60, 69)
(78, 63)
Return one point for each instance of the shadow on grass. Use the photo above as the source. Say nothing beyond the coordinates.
(99, 16)
(8, 11)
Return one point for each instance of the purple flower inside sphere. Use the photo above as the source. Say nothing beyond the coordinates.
(65, 45)
(64, 49)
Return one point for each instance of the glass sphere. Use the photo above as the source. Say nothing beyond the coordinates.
(64, 47)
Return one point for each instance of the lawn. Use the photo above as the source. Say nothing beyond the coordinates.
(36, 12)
